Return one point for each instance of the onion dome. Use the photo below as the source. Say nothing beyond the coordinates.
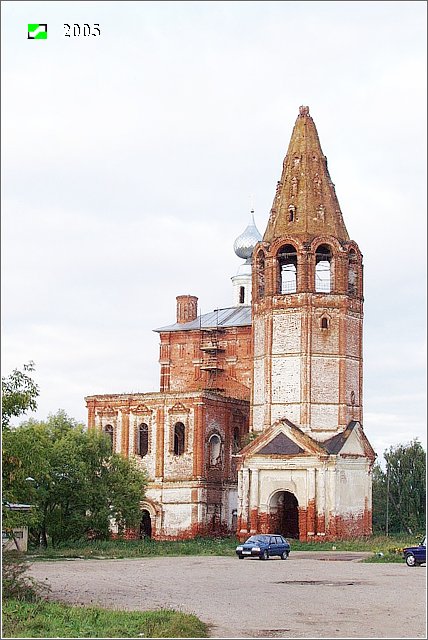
(245, 243)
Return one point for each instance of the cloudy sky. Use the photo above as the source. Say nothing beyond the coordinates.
(130, 160)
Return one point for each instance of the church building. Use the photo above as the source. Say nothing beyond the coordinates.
(257, 426)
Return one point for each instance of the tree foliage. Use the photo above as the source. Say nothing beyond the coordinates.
(400, 489)
(19, 393)
(77, 486)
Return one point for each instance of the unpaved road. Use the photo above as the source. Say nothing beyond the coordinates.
(310, 595)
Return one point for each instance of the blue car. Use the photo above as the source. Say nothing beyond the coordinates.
(263, 547)
(416, 555)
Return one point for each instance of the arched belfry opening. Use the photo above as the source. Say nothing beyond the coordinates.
(260, 274)
(323, 269)
(352, 273)
(287, 269)
(145, 524)
(284, 514)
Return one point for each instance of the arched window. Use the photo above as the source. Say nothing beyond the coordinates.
(260, 266)
(352, 273)
(214, 450)
(143, 440)
(287, 269)
(291, 213)
(236, 444)
(323, 271)
(324, 323)
(179, 439)
(108, 430)
(241, 295)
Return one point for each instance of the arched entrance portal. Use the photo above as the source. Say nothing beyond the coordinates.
(145, 525)
(284, 514)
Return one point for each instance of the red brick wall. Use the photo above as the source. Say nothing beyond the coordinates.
(181, 359)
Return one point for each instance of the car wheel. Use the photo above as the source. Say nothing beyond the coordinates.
(284, 555)
(241, 557)
(264, 555)
(410, 560)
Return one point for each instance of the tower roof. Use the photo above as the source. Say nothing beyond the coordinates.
(305, 202)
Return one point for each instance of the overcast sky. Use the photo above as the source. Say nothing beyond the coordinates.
(130, 161)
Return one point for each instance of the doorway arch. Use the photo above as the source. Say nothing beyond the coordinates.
(145, 524)
(284, 514)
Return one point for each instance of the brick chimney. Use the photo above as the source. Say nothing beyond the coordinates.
(187, 308)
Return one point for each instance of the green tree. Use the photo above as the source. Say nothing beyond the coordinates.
(399, 492)
(77, 486)
(19, 393)
(379, 499)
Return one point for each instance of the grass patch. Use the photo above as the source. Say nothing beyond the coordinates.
(54, 620)
(390, 546)
(389, 556)
(139, 548)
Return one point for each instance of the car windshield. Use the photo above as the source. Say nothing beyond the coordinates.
(256, 540)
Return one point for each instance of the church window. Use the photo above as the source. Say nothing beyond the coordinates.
(287, 269)
(352, 273)
(236, 444)
(324, 323)
(323, 269)
(143, 440)
(214, 450)
(179, 432)
(165, 377)
(241, 295)
(108, 430)
(291, 213)
(261, 274)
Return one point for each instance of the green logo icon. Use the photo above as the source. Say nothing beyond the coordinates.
(37, 32)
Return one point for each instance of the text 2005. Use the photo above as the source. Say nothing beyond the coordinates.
(86, 30)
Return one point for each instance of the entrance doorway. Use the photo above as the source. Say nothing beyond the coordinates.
(284, 514)
(145, 525)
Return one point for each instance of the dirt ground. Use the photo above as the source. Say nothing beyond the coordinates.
(310, 595)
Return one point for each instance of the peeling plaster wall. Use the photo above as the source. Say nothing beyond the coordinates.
(351, 489)
(286, 333)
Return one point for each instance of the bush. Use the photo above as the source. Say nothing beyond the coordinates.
(15, 581)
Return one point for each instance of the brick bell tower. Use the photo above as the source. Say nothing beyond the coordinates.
(307, 471)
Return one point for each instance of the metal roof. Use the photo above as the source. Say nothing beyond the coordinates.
(230, 317)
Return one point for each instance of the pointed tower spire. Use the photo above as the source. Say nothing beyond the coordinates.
(305, 201)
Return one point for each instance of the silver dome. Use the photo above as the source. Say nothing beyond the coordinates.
(245, 243)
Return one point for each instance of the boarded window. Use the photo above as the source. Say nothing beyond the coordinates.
(179, 433)
(108, 430)
(215, 451)
(143, 440)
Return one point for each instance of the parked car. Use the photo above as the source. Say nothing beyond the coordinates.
(416, 555)
(264, 546)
